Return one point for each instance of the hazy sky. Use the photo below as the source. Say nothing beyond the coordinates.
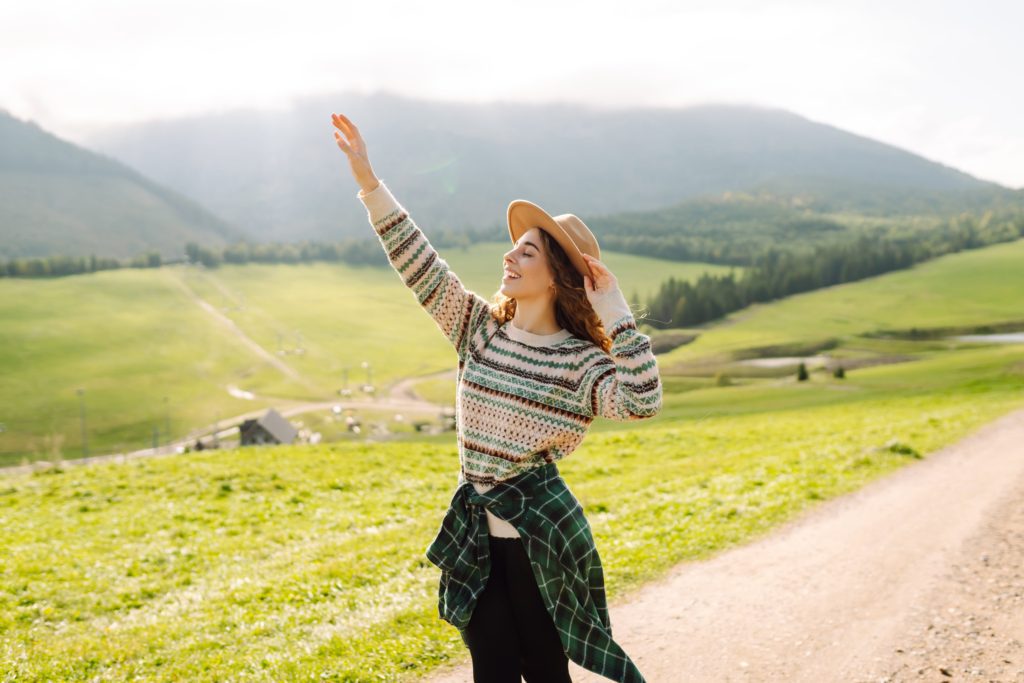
(939, 78)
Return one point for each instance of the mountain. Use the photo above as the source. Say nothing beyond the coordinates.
(279, 175)
(58, 198)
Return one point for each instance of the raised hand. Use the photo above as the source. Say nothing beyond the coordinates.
(351, 142)
(602, 284)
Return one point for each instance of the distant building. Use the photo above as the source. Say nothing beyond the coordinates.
(271, 428)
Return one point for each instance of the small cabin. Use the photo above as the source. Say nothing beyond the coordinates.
(270, 428)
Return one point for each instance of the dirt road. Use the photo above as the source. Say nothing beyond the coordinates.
(242, 337)
(918, 576)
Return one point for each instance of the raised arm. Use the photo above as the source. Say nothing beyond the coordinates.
(456, 310)
(627, 385)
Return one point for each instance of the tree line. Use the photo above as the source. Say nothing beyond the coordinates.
(771, 273)
(740, 239)
(57, 266)
(353, 251)
(778, 273)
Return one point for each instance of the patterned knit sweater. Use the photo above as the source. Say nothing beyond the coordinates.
(522, 399)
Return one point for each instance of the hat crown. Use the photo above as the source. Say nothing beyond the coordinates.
(578, 230)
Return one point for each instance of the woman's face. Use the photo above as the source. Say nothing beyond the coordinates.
(529, 261)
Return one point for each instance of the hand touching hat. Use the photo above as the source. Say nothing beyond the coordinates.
(603, 284)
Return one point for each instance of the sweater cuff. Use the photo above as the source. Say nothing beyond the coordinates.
(611, 308)
(379, 202)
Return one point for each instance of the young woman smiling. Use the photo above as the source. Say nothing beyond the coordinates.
(554, 348)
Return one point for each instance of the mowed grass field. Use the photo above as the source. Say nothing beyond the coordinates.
(127, 338)
(130, 338)
(345, 316)
(307, 563)
(967, 288)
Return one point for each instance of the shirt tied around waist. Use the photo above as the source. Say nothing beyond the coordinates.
(560, 546)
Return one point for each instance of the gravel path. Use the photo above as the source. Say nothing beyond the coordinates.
(918, 576)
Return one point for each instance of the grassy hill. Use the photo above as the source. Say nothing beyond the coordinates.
(289, 562)
(294, 562)
(58, 198)
(739, 227)
(130, 338)
(974, 287)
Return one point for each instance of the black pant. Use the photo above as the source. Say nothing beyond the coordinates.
(510, 632)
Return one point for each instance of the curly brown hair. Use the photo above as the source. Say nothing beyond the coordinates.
(572, 308)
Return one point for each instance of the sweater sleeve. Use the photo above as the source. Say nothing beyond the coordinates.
(627, 384)
(456, 310)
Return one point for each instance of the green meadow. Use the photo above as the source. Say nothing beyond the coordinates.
(128, 339)
(968, 288)
(307, 562)
(131, 338)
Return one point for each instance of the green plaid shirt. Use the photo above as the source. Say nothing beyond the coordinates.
(561, 549)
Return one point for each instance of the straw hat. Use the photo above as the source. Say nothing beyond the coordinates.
(568, 230)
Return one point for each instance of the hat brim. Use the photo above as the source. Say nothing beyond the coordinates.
(524, 215)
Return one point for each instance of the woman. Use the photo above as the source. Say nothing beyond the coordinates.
(555, 348)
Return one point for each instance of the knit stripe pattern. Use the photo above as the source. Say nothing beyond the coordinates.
(519, 404)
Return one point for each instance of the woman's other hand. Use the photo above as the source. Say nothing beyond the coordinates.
(351, 143)
(602, 284)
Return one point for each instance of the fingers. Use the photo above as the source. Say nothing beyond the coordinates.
(600, 275)
(341, 142)
(342, 123)
(348, 122)
(591, 261)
